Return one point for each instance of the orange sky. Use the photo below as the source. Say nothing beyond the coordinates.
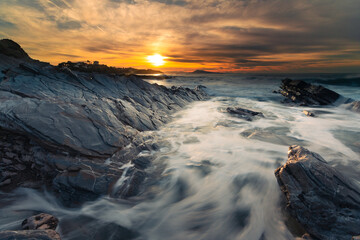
(218, 35)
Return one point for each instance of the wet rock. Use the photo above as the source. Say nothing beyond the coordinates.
(141, 162)
(323, 200)
(307, 94)
(243, 113)
(76, 187)
(30, 235)
(308, 113)
(41, 221)
(58, 127)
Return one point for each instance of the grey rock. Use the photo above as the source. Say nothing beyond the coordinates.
(30, 235)
(40, 221)
(243, 113)
(323, 200)
(59, 126)
(307, 94)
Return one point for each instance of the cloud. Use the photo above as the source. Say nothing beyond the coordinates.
(278, 35)
(68, 25)
(5, 24)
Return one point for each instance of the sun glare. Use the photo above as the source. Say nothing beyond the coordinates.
(156, 60)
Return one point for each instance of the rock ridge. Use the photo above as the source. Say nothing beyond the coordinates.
(74, 131)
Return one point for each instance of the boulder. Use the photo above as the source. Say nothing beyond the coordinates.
(243, 113)
(322, 199)
(41, 221)
(307, 94)
(30, 235)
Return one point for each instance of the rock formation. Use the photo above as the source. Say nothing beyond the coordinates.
(41, 221)
(30, 235)
(323, 200)
(243, 113)
(307, 94)
(75, 131)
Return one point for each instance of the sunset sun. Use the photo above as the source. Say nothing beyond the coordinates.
(156, 60)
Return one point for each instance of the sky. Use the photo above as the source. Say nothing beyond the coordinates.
(215, 35)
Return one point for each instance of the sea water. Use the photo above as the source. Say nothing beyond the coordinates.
(214, 173)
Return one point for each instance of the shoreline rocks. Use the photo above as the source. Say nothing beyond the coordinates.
(322, 200)
(243, 113)
(41, 226)
(73, 132)
(307, 94)
(30, 234)
(41, 221)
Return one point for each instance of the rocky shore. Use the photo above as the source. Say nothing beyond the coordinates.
(323, 201)
(78, 133)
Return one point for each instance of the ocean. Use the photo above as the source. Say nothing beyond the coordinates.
(213, 175)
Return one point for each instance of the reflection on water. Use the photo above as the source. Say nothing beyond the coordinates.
(217, 180)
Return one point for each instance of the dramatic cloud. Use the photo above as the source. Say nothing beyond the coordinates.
(231, 35)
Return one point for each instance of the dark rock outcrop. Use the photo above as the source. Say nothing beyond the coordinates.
(304, 93)
(323, 200)
(75, 131)
(243, 113)
(12, 49)
(30, 235)
(41, 221)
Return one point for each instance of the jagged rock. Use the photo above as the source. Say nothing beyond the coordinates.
(323, 200)
(58, 127)
(308, 113)
(243, 113)
(11, 48)
(307, 94)
(41, 221)
(30, 235)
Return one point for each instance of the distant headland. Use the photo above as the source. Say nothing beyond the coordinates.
(205, 72)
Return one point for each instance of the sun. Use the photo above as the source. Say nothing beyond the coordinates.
(156, 60)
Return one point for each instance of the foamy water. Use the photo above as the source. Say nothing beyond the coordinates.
(214, 172)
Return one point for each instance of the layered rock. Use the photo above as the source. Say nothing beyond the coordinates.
(75, 131)
(323, 200)
(243, 113)
(30, 235)
(304, 93)
(41, 226)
